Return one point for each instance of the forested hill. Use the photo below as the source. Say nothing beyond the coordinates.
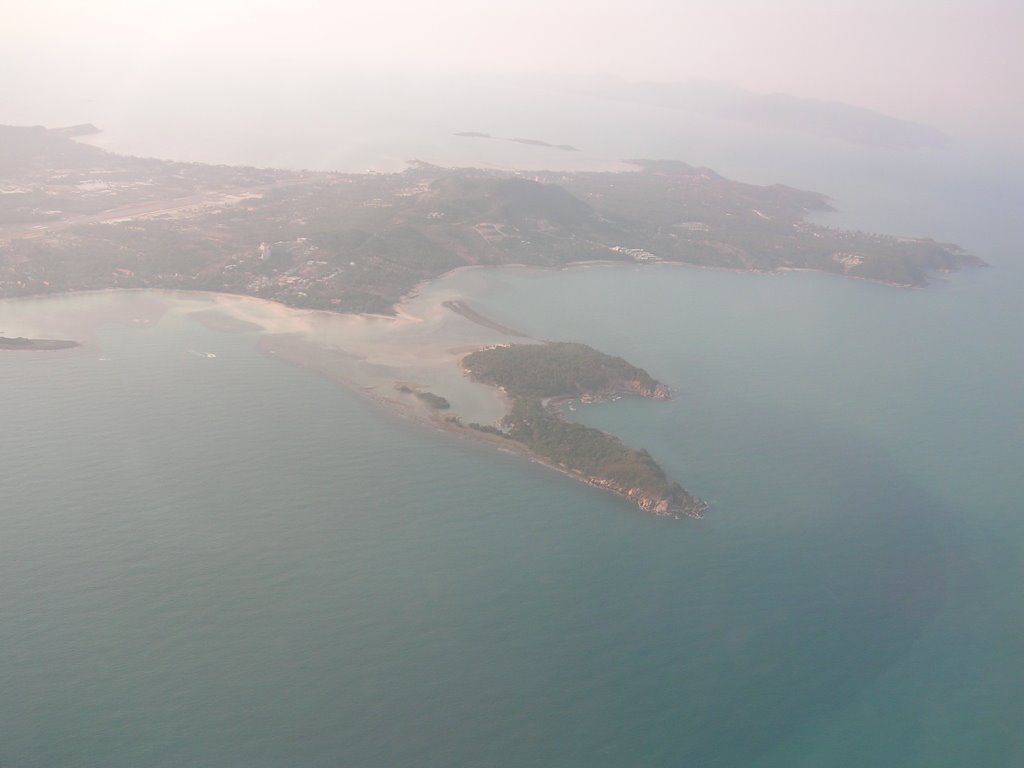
(559, 369)
(533, 373)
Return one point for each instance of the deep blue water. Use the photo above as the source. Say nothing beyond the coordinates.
(220, 562)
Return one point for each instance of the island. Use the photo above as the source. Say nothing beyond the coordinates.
(539, 378)
(76, 218)
(35, 345)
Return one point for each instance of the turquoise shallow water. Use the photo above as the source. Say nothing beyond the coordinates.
(232, 562)
(863, 462)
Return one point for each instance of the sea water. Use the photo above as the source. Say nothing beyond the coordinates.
(228, 560)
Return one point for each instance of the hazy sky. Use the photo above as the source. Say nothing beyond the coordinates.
(955, 63)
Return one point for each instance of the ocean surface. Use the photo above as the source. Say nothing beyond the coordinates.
(229, 560)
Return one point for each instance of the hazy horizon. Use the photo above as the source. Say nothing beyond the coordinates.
(951, 65)
(316, 456)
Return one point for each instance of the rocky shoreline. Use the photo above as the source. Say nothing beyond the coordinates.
(674, 507)
(690, 506)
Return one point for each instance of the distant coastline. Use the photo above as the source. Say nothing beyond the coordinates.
(529, 142)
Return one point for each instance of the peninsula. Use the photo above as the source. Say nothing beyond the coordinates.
(76, 218)
(539, 378)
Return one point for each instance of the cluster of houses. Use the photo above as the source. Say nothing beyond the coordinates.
(638, 254)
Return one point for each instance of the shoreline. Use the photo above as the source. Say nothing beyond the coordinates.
(414, 292)
(24, 344)
(296, 321)
(424, 417)
(340, 366)
(511, 446)
(420, 414)
(400, 306)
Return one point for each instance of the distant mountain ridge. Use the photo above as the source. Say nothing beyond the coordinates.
(814, 117)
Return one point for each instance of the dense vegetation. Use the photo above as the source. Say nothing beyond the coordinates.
(429, 399)
(585, 449)
(554, 369)
(531, 373)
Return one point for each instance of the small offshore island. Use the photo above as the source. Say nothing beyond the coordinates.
(538, 377)
(76, 218)
(35, 345)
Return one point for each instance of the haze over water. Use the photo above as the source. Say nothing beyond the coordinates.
(232, 561)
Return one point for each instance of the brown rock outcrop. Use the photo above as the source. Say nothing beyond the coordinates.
(680, 503)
